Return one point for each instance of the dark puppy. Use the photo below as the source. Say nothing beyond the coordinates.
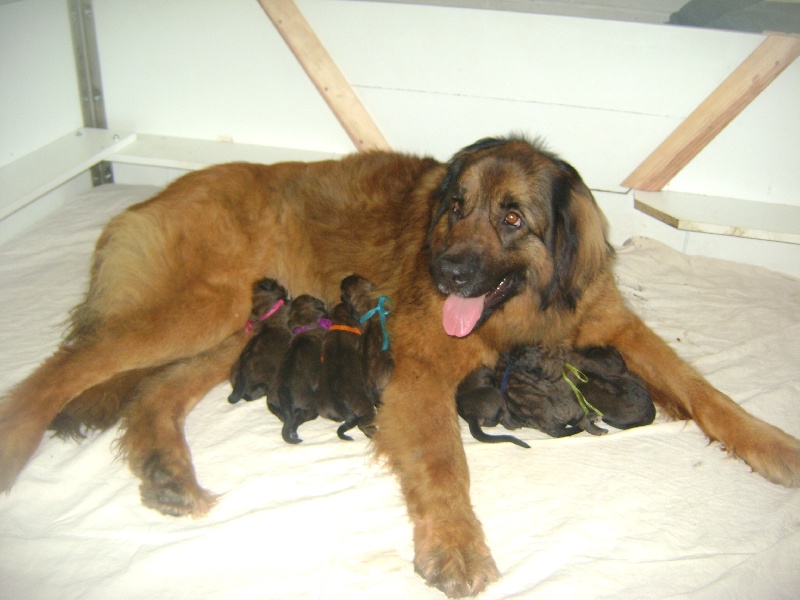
(376, 354)
(343, 377)
(480, 402)
(612, 388)
(539, 393)
(299, 373)
(253, 375)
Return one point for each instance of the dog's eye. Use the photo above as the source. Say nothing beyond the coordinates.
(513, 219)
(457, 205)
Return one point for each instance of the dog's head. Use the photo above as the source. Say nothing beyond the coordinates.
(510, 218)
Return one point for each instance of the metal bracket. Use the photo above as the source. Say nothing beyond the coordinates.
(90, 84)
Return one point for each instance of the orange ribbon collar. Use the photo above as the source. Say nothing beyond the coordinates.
(355, 330)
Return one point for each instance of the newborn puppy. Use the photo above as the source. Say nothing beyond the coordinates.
(480, 402)
(616, 392)
(299, 373)
(254, 374)
(534, 383)
(376, 354)
(343, 379)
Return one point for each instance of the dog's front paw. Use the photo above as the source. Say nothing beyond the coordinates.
(457, 572)
(772, 453)
(456, 567)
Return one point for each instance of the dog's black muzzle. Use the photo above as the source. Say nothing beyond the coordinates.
(461, 274)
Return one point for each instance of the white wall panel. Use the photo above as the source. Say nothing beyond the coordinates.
(607, 65)
(604, 94)
(758, 156)
(208, 69)
(603, 145)
(38, 85)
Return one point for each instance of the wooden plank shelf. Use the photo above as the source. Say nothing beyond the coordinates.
(191, 154)
(43, 170)
(723, 216)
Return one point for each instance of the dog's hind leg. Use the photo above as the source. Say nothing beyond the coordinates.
(160, 334)
(682, 393)
(30, 407)
(153, 441)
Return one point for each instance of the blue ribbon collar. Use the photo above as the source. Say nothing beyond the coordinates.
(382, 313)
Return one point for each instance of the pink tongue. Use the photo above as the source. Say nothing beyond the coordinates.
(460, 315)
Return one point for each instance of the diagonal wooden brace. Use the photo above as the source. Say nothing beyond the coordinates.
(326, 76)
(740, 88)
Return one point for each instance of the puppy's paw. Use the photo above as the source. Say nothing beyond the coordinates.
(173, 494)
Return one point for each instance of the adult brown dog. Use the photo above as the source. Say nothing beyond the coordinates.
(502, 245)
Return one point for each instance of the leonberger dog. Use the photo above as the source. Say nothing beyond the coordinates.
(503, 245)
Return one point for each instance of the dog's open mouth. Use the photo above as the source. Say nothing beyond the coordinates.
(461, 315)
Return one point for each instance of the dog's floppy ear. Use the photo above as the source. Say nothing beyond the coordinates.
(576, 239)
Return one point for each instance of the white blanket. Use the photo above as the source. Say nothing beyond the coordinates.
(653, 512)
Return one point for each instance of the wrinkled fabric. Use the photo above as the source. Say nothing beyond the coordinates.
(653, 512)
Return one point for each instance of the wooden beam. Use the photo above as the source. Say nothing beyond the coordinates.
(748, 80)
(325, 75)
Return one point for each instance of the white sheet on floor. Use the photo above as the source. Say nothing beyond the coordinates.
(647, 513)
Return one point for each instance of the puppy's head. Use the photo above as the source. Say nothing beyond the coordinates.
(510, 218)
(538, 362)
(600, 361)
(358, 294)
(305, 311)
(266, 293)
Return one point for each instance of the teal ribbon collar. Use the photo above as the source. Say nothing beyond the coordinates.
(382, 313)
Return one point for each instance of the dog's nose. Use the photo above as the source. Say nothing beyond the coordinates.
(457, 270)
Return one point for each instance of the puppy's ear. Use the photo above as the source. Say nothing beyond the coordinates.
(576, 239)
